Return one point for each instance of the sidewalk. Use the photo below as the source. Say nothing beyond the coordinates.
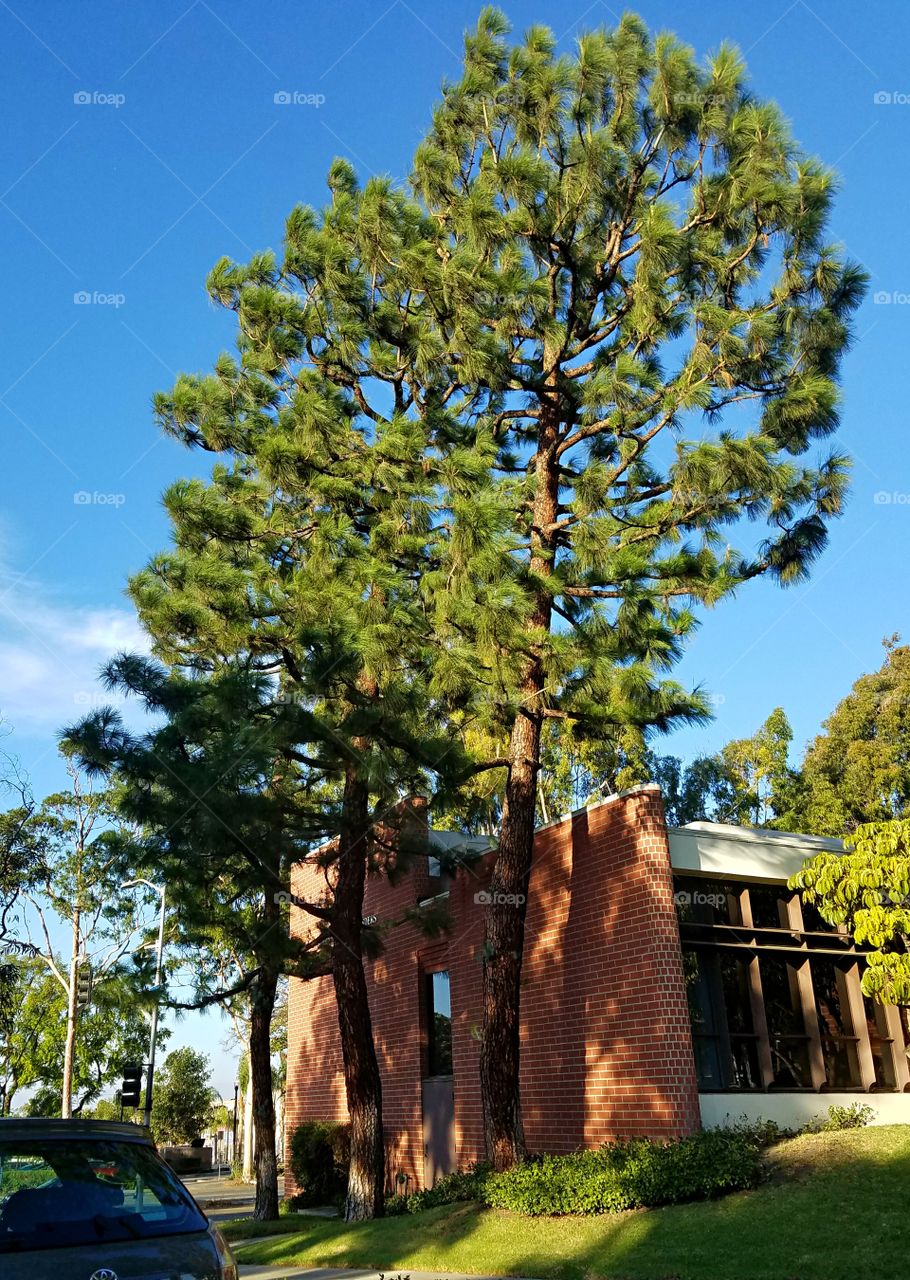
(221, 1199)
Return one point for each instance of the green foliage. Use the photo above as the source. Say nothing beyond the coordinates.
(182, 1097)
(111, 1031)
(868, 890)
(858, 770)
(480, 453)
(856, 1115)
(629, 1175)
(319, 1157)
(450, 1189)
(811, 1221)
(748, 782)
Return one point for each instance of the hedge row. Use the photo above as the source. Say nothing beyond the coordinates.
(621, 1175)
(628, 1175)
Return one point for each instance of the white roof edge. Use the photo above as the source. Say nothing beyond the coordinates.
(756, 835)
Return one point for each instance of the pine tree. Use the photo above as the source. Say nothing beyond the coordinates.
(215, 814)
(516, 418)
(636, 321)
(302, 561)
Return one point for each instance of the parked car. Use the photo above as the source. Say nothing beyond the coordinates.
(92, 1200)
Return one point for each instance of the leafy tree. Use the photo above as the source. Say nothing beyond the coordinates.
(704, 789)
(79, 884)
(184, 1097)
(634, 318)
(858, 770)
(112, 1031)
(19, 858)
(302, 561)
(868, 890)
(223, 803)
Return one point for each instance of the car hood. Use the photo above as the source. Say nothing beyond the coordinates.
(175, 1257)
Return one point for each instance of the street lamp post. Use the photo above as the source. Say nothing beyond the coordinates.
(130, 884)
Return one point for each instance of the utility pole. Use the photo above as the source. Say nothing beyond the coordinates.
(159, 953)
(151, 1072)
(234, 1137)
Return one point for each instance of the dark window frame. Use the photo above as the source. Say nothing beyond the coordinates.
(716, 920)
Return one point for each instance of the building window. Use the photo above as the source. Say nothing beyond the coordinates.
(438, 1009)
(774, 993)
(788, 1038)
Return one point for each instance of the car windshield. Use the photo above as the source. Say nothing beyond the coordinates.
(70, 1191)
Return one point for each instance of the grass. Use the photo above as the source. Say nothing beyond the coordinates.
(834, 1207)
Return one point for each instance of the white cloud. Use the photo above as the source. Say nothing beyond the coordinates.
(51, 653)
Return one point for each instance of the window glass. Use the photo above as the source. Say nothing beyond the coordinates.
(720, 1011)
(702, 901)
(829, 983)
(439, 1024)
(72, 1191)
(726, 996)
(787, 1034)
(812, 919)
(769, 906)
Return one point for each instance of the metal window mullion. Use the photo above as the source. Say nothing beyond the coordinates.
(898, 1050)
(860, 1026)
(757, 1001)
(807, 1001)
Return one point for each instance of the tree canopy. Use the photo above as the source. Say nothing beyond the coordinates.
(184, 1097)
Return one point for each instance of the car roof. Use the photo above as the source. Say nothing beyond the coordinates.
(12, 1127)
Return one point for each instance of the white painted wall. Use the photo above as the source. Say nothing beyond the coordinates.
(793, 1110)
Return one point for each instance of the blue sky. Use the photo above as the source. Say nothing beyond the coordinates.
(143, 141)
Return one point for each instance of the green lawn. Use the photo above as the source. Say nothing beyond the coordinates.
(836, 1207)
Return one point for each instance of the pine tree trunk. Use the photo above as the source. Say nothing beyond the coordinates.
(69, 1049)
(363, 1087)
(505, 919)
(262, 998)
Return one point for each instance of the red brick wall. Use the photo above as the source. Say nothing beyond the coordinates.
(606, 1049)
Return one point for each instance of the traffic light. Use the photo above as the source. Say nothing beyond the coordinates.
(84, 986)
(132, 1086)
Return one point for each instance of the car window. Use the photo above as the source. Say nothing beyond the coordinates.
(69, 1191)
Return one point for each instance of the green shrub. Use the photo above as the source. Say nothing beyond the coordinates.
(629, 1175)
(855, 1116)
(320, 1156)
(450, 1189)
(763, 1133)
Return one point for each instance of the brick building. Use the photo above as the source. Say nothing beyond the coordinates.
(669, 980)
